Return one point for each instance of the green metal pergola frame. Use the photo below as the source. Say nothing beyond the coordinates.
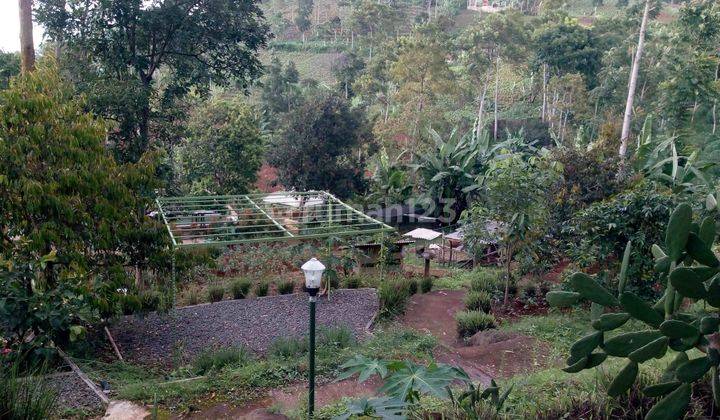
(225, 220)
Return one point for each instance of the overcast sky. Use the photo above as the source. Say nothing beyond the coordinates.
(10, 26)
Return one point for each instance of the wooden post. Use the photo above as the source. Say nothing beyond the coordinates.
(112, 342)
(104, 398)
(426, 273)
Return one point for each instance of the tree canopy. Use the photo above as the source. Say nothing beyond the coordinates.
(193, 43)
(323, 146)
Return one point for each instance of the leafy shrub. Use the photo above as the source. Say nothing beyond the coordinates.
(426, 284)
(405, 384)
(216, 293)
(150, 300)
(600, 233)
(340, 337)
(393, 296)
(216, 359)
(471, 322)
(28, 398)
(261, 289)
(530, 292)
(690, 267)
(240, 288)
(412, 286)
(478, 301)
(285, 287)
(288, 347)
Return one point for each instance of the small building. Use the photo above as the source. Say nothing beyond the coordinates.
(487, 6)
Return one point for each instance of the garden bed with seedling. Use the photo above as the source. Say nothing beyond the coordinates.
(253, 323)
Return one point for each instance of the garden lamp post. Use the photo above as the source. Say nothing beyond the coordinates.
(313, 270)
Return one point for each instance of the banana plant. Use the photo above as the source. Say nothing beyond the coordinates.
(691, 272)
(390, 180)
(660, 160)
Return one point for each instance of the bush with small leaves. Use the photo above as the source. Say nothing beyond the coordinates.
(285, 287)
(687, 264)
(240, 288)
(471, 322)
(216, 359)
(478, 301)
(289, 347)
(261, 289)
(216, 293)
(426, 284)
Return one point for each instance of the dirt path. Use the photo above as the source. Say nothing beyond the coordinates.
(288, 399)
(499, 355)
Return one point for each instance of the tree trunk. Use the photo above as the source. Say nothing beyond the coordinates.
(544, 94)
(633, 83)
(27, 46)
(481, 108)
(508, 262)
(497, 92)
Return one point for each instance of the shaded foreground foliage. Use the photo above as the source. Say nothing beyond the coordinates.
(690, 270)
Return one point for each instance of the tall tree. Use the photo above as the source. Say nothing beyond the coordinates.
(224, 149)
(280, 91)
(196, 43)
(302, 19)
(323, 146)
(67, 207)
(421, 72)
(632, 85)
(499, 36)
(27, 46)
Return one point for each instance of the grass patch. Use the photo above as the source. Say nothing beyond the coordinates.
(219, 358)
(340, 337)
(239, 383)
(288, 347)
(216, 293)
(482, 278)
(261, 289)
(478, 301)
(471, 322)
(426, 284)
(240, 288)
(285, 287)
(394, 296)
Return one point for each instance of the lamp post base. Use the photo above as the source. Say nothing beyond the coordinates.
(311, 352)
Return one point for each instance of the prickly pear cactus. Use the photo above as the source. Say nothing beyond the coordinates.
(691, 272)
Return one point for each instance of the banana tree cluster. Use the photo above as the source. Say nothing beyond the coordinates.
(690, 271)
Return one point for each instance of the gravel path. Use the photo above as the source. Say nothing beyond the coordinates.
(254, 323)
(74, 394)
